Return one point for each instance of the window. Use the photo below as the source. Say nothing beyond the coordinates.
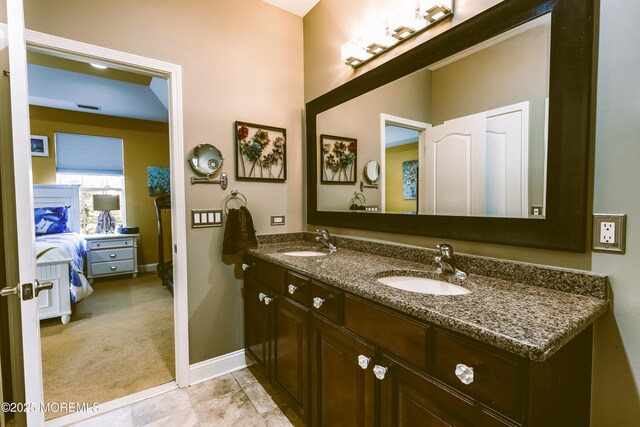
(95, 163)
(95, 184)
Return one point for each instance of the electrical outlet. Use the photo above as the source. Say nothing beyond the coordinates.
(609, 232)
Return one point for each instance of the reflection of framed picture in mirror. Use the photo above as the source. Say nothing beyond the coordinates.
(338, 161)
(261, 153)
(410, 179)
(40, 145)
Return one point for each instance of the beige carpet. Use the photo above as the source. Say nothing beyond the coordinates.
(119, 341)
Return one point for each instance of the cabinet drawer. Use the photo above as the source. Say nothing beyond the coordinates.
(392, 332)
(126, 242)
(267, 273)
(101, 268)
(111, 255)
(296, 287)
(497, 379)
(327, 300)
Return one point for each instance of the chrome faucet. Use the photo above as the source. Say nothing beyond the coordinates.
(325, 239)
(447, 263)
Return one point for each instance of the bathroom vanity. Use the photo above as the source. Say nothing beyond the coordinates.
(345, 349)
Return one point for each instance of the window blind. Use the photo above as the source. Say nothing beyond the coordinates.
(88, 154)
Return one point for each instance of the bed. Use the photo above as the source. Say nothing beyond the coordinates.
(61, 255)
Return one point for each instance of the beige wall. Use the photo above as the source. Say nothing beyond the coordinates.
(241, 60)
(394, 195)
(146, 143)
(616, 373)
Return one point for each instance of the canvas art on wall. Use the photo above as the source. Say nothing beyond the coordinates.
(261, 153)
(338, 161)
(410, 179)
(40, 145)
(159, 181)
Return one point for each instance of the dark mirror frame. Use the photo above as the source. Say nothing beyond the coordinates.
(564, 225)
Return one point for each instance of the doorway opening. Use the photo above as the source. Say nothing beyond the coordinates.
(100, 146)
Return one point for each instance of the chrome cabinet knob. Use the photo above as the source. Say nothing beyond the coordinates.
(114, 267)
(380, 371)
(245, 267)
(464, 373)
(261, 296)
(317, 302)
(292, 289)
(267, 300)
(363, 361)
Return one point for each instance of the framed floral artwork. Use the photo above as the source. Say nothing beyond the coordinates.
(261, 153)
(338, 160)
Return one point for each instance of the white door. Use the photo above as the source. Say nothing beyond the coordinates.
(506, 165)
(24, 224)
(454, 175)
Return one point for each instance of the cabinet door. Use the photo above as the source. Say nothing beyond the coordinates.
(290, 367)
(342, 391)
(409, 398)
(257, 323)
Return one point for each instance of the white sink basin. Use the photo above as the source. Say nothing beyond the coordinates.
(304, 253)
(422, 285)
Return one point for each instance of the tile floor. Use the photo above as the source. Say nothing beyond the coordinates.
(242, 398)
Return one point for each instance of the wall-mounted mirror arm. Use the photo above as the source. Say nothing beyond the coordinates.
(223, 181)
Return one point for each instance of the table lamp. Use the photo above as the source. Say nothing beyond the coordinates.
(106, 204)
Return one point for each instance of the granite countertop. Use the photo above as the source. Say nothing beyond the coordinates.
(533, 321)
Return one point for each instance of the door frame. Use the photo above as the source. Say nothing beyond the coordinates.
(421, 127)
(22, 156)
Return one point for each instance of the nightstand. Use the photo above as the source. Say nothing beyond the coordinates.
(111, 255)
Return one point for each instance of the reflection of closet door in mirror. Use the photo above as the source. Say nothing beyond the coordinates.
(454, 177)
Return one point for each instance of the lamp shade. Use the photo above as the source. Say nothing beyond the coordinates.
(103, 202)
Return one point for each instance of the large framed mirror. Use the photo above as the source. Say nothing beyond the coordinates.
(482, 133)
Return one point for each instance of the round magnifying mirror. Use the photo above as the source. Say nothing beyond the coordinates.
(206, 159)
(371, 172)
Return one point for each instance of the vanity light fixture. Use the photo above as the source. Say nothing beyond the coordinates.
(403, 23)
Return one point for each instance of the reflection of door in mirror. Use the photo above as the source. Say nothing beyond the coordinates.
(400, 174)
(478, 164)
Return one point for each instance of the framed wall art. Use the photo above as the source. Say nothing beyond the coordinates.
(410, 179)
(338, 160)
(158, 180)
(261, 153)
(40, 145)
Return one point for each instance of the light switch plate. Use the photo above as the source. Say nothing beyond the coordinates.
(277, 219)
(609, 231)
(201, 218)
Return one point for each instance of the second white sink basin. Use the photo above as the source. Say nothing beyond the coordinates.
(423, 285)
(304, 253)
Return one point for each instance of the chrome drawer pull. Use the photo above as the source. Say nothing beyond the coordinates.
(317, 302)
(464, 373)
(292, 289)
(112, 256)
(114, 267)
(245, 267)
(380, 372)
(363, 361)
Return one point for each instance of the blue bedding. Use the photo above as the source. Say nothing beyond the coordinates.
(67, 245)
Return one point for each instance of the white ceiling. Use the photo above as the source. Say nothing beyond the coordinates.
(297, 7)
(396, 135)
(69, 90)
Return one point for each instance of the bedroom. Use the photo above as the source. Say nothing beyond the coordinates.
(125, 294)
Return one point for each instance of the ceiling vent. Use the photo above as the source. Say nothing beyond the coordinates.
(88, 107)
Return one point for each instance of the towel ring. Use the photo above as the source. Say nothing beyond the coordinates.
(235, 195)
(357, 202)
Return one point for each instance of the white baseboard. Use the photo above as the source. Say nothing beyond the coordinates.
(218, 366)
(147, 268)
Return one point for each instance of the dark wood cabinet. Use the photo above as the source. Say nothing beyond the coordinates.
(342, 360)
(291, 351)
(342, 391)
(257, 323)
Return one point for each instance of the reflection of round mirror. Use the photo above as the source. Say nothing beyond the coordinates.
(371, 172)
(206, 159)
